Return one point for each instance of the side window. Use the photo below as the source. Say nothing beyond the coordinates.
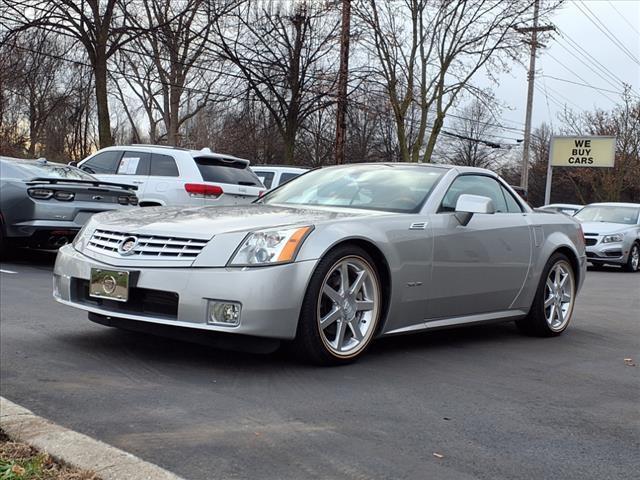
(512, 205)
(134, 163)
(163, 166)
(474, 185)
(265, 177)
(285, 177)
(105, 163)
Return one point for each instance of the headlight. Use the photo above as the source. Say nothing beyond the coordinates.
(82, 237)
(270, 247)
(613, 238)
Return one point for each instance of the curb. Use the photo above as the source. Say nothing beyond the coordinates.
(74, 448)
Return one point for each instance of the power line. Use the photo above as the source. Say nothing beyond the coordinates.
(606, 31)
(624, 18)
(581, 84)
(579, 76)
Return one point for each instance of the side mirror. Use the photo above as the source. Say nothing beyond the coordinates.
(73, 164)
(467, 205)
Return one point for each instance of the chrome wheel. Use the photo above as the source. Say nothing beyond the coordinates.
(635, 258)
(348, 306)
(558, 296)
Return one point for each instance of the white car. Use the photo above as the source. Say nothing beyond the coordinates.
(176, 176)
(273, 176)
(567, 208)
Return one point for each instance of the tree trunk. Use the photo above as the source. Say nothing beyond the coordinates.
(102, 100)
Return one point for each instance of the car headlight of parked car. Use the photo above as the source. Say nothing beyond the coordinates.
(613, 238)
(270, 247)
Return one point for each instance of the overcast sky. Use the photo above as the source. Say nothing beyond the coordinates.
(563, 59)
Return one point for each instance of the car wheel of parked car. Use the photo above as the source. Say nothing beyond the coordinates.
(633, 262)
(553, 304)
(341, 308)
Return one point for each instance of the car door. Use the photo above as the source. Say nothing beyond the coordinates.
(479, 267)
(103, 165)
(164, 185)
(133, 169)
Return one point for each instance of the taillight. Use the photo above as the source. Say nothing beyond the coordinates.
(64, 196)
(40, 193)
(128, 200)
(203, 190)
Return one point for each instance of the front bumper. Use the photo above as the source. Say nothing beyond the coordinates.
(271, 297)
(614, 253)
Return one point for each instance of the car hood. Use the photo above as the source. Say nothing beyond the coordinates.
(604, 228)
(205, 222)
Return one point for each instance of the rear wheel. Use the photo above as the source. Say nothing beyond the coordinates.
(341, 308)
(633, 262)
(553, 304)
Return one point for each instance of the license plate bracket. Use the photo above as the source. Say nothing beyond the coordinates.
(109, 284)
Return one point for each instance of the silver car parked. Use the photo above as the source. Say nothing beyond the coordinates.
(332, 260)
(612, 234)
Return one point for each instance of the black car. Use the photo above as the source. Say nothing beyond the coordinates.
(44, 204)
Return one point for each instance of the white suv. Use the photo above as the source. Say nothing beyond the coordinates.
(273, 176)
(176, 176)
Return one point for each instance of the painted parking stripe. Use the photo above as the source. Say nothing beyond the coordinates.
(6, 271)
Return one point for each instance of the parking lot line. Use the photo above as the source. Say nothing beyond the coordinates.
(6, 271)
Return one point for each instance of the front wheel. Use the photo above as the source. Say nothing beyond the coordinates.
(633, 262)
(553, 304)
(341, 308)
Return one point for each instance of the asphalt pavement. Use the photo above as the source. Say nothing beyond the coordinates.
(492, 404)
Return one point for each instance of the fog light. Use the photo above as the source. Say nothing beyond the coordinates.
(224, 313)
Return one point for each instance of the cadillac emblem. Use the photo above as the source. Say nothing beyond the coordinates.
(127, 246)
(109, 284)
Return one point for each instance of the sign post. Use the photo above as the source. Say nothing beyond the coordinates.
(579, 152)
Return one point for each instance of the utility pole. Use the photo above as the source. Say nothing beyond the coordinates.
(524, 179)
(343, 78)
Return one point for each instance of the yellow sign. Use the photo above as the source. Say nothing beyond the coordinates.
(593, 151)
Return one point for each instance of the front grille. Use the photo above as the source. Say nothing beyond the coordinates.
(142, 301)
(590, 242)
(148, 246)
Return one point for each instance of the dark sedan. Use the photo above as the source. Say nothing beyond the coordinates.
(44, 204)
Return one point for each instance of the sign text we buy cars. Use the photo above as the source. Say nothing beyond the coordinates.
(593, 151)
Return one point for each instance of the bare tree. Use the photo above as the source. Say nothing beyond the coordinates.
(427, 54)
(282, 52)
(99, 26)
(474, 128)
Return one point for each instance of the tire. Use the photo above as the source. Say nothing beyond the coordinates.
(552, 307)
(335, 328)
(633, 262)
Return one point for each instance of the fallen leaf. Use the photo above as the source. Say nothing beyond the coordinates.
(18, 470)
(629, 362)
(438, 455)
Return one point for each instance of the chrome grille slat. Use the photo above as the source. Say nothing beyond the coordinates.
(149, 246)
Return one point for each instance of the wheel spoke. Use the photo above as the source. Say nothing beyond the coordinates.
(339, 340)
(560, 315)
(330, 317)
(357, 285)
(355, 328)
(550, 284)
(332, 294)
(364, 305)
(566, 297)
(344, 278)
(563, 280)
(549, 301)
(552, 313)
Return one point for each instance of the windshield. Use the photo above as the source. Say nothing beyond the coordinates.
(393, 188)
(610, 214)
(52, 170)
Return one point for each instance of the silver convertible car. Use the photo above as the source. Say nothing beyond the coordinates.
(333, 259)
